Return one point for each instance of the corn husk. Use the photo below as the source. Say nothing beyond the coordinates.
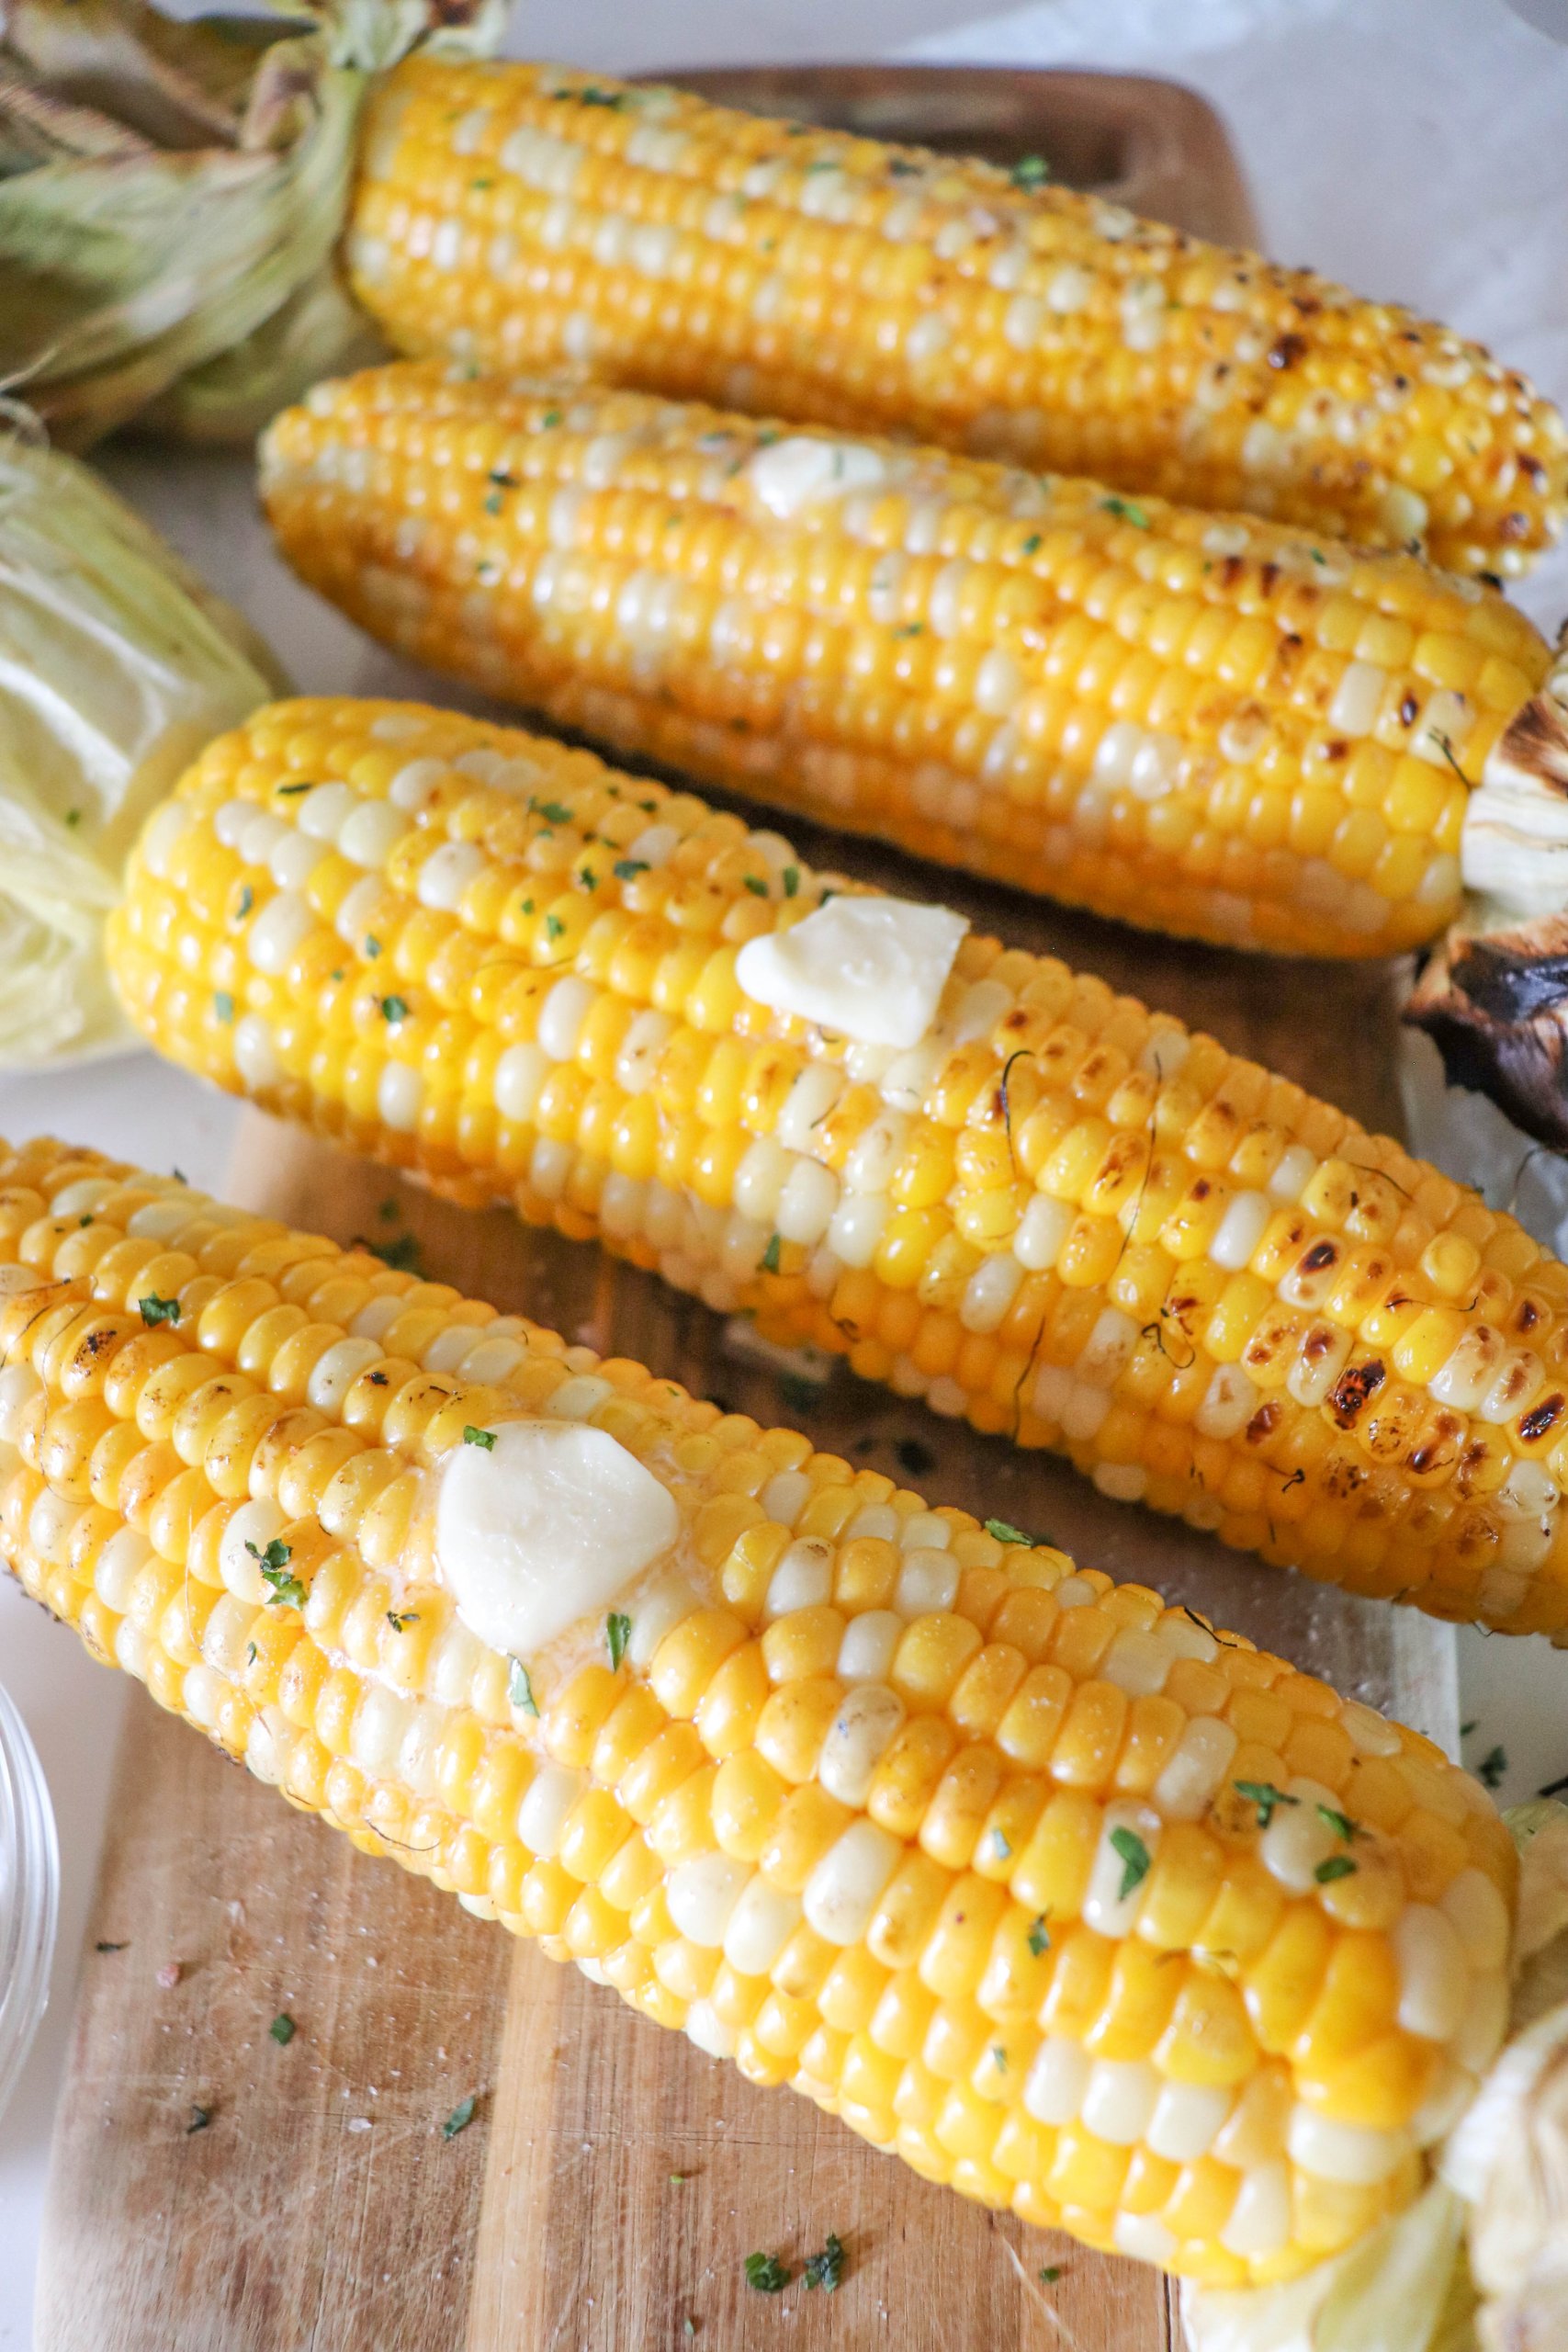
(116, 666)
(1480, 2262)
(170, 199)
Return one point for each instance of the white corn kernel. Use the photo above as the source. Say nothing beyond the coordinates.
(702, 1894)
(1434, 1978)
(869, 1647)
(843, 1889)
(868, 1718)
(1057, 2080)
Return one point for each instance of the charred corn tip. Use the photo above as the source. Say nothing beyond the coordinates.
(1212, 726)
(477, 953)
(522, 216)
(1056, 1892)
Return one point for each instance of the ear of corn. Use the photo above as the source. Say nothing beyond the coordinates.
(482, 956)
(1060, 1896)
(1217, 727)
(523, 217)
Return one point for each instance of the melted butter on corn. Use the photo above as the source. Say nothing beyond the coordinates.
(1220, 728)
(520, 216)
(962, 1841)
(1057, 1216)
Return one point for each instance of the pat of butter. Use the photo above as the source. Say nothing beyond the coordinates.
(549, 1525)
(800, 471)
(872, 969)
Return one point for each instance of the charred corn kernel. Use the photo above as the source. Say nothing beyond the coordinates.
(970, 674)
(1293, 1385)
(527, 216)
(909, 1880)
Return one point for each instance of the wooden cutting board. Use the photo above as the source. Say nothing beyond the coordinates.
(213, 2190)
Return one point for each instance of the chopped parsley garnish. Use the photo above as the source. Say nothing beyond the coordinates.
(1050, 2273)
(553, 926)
(791, 881)
(283, 2029)
(770, 1254)
(200, 2116)
(462, 2115)
(999, 1845)
(483, 1439)
(107, 1947)
(520, 1689)
(910, 628)
(394, 1009)
(1005, 1532)
(1038, 1940)
(1031, 545)
(826, 2269)
(287, 1591)
(759, 890)
(999, 2055)
(247, 900)
(1265, 1796)
(1030, 171)
(1491, 1768)
(1135, 1860)
(626, 869)
(223, 1005)
(72, 816)
(679, 2179)
(154, 1310)
(400, 1250)
(492, 502)
(550, 419)
(617, 1633)
(767, 2274)
(552, 811)
(1337, 1866)
(1340, 1823)
(401, 1620)
(1127, 510)
(293, 791)
(372, 945)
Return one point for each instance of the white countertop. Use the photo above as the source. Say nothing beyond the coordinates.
(1413, 148)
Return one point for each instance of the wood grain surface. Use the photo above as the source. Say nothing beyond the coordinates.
(612, 2180)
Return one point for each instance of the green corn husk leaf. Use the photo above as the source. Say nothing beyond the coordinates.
(118, 665)
(171, 201)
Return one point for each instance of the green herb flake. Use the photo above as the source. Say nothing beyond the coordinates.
(400, 1250)
(552, 811)
(1038, 1940)
(483, 1439)
(757, 890)
(372, 946)
(910, 628)
(1050, 2273)
(394, 1009)
(287, 1591)
(520, 1688)
(617, 1633)
(293, 791)
(626, 869)
(72, 817)
(826, 2269)
(1127, 510)
(1337, 1866)
(401, 1620)
(223, 1005)
(550, 419)
(462, 2115)
(1265, 1796)
(154, 1310)
(1465, 1729)
(791, 881)
(492, 502)
(679, 2179)
(1340, 1823)
(1135, 1860)
(1000, 2056)
(767, 2274)
(247, 900)
(1030, 171)
(283, 2029)
(252, 1653)
(770, 1254)
(999, 1845)
(1033, 544)
(1005, 1532)
(200, 2116)
(553, 926)
(800, 1396)
(108, 1947)
(1491, 1768)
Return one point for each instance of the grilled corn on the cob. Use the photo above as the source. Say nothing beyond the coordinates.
(1066, 1899)
(477, 953)
(522, 216)
(1216, 728)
